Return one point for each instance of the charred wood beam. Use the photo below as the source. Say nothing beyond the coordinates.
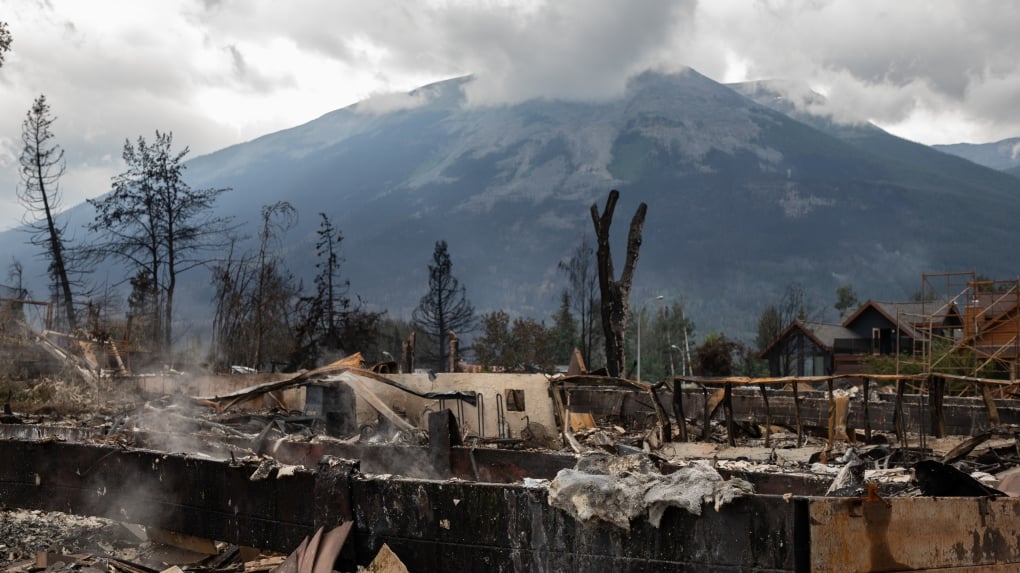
(964, 415)
(768, 415)
(678, 412)
(226, 401)
(936, 396)
(590, 382)
(407, 354)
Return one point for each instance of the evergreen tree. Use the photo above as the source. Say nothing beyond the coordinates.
(846, 300)
(42, 164)
(583, 280)
(564, 335)
(493, 346)
(445, 307)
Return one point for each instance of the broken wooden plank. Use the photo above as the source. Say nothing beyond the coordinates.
(386, 561)
(182, 540)
(265, 564)
(582, 421)
(367, 395)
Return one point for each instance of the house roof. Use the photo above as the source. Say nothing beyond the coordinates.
(994, 304)
(823, 334)
(905, 315)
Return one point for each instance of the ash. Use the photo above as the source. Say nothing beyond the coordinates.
(23, 533)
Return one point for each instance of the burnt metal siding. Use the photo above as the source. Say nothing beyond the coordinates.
(462, 526)
(963, 415)
(469, 526)
(210, 499)
(914, 533)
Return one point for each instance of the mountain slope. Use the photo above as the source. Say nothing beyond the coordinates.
(743, 199)
(1001, 155)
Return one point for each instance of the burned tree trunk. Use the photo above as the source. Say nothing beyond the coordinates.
(407, 355)
(454, 352)
(615, 293)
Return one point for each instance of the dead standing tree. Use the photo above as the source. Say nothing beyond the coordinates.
(615, 293)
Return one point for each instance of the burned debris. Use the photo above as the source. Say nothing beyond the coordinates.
(443, 459)
(355, 464)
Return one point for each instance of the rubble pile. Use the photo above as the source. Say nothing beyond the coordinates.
(23, 533)
(619, 489)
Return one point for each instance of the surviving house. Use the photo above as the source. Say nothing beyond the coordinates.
(983, 327)
(805, 348)
(876, 328)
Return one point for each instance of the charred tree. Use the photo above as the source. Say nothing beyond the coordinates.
(42, 164)
(153, 221)
(615, 293)
(445, 307)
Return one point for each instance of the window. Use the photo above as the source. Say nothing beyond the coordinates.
(514, 400)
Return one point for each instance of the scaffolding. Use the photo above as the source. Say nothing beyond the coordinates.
(969, 326)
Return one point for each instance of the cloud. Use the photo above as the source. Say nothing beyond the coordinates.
(217, 72)
(573, 49)
(893, 62)
(382, 103)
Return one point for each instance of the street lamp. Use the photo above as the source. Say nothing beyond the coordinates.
(673, 347)
(641, 316)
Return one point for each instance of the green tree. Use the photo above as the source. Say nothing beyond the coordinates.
(157, 224)
(141, 309)
(716, 355)
(530, 346)
(445, 307)
(846, 300)
(666, 343)
(493, 346)
(770, 325)
(563, 335)
(42, 164)
(583, 281)
(389, 338)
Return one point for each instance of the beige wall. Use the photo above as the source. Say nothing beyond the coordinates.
(538, 404)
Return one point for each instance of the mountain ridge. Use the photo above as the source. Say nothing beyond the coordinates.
(743, 198)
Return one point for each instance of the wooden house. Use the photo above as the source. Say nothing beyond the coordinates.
(805, 348)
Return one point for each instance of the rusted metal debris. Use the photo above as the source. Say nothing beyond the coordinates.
(352, 365)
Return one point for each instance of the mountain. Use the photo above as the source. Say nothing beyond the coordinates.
(1002, 155)
(743, 199)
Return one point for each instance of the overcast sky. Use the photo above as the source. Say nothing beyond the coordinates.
(218, 72)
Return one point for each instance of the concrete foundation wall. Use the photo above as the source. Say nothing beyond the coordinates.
(467, 526)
